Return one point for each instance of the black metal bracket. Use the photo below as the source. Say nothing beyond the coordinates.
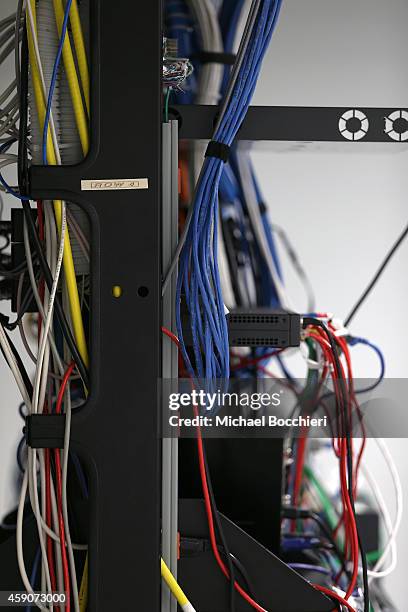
(301, 124)
(276, 586)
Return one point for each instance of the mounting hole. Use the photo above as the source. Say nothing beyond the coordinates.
(143, 291)
(401, 125)
(353, 125)
(117, 291)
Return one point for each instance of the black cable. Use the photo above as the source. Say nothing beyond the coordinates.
(7, 271)
(20, 447)
(22, 410)
(376, 276)
(20, 365)
(221, 533)
(244, 573)
(365, 570)
(25, 303)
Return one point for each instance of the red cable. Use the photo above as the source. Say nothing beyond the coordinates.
(348, 514)
(351, 519)
(207, 502)
(344, 346)
(335, 595)
(300, 460)
(50, 547)
(58, 473)
(248, 361)
(210, 518)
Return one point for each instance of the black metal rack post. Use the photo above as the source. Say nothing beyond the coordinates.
(116, 432)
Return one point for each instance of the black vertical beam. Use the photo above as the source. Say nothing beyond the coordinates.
(116, 432)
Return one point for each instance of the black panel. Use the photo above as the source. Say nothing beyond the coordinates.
(276, 587)
(292, 124)
(247, 480)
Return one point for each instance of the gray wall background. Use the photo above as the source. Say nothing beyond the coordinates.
(325, 52)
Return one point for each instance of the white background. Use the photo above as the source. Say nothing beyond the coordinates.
(342, 209)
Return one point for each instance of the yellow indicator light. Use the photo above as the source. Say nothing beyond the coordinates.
(116, 291)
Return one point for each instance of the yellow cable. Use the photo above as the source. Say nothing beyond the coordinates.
(69, 269)
(83, 591)
(167, 576)
(73, 82)
(175, 588)
(79, 45)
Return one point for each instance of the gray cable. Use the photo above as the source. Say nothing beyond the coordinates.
(311, 299)
(18, 19)
(249, 26)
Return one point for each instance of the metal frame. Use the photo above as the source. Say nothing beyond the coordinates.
(291, 124)
(170, 447)
(117, 432)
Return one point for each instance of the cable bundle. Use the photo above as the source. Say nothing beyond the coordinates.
(198, 281)
(53, 280)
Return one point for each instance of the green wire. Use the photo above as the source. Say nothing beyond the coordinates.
(373, 556)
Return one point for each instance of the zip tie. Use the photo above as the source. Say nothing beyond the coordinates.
(218, 150)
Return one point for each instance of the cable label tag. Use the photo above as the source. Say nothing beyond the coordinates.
(114, 184)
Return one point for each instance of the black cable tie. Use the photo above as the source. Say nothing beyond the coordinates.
(4, 319)
(218, 149)
(45, 430)
(214, 57)
(263, 209)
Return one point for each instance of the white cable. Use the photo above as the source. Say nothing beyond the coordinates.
(399, 496)
(37, 298)
(65, 454)
(54, 514)
(47, 324)
(43, 85)
(31, 468)
(19, 539)
(51, 254)
(41, 461)
(32, 463)
(386, 517)
(211, 73)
